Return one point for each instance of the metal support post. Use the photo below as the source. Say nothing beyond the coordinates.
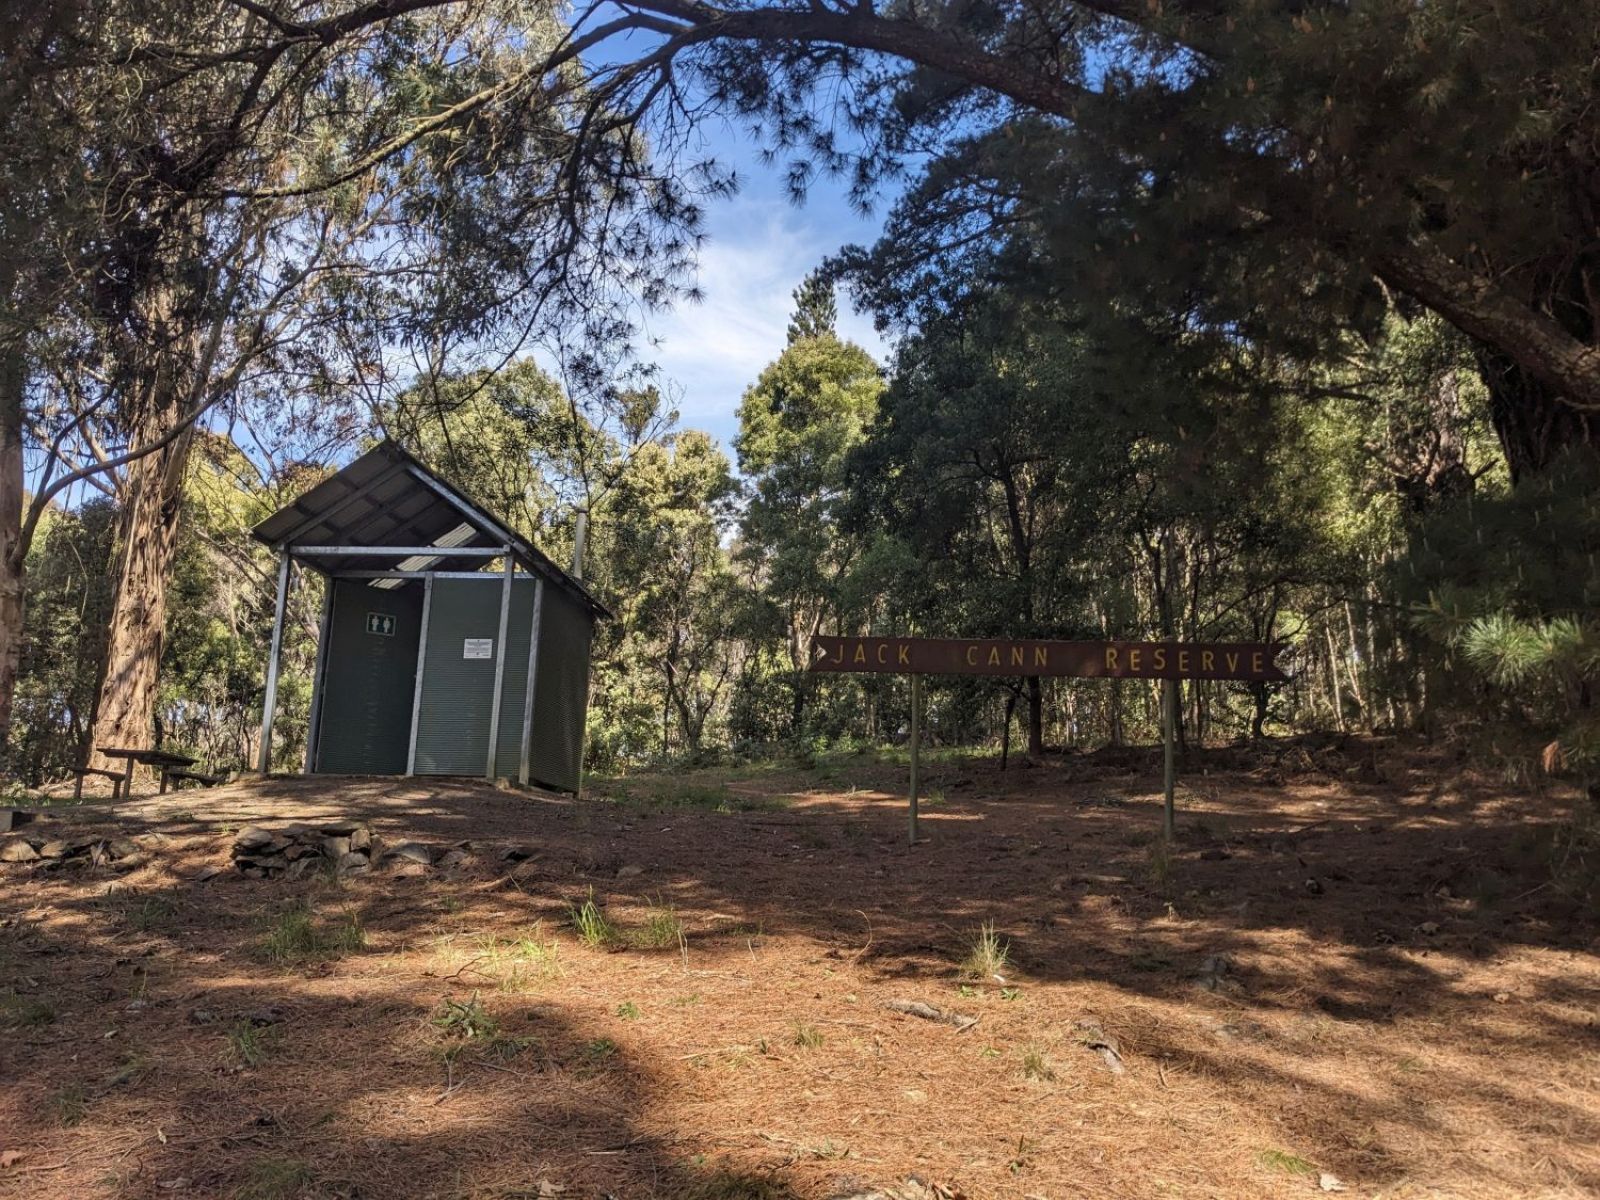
(314, 726)
(1169, 722)
(916, 749)
(269, 703)
(500, 664)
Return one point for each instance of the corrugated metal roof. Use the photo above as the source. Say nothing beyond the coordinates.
(387, 498)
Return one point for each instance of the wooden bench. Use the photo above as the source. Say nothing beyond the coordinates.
(178, 777)
(115, 777)
(162, 760)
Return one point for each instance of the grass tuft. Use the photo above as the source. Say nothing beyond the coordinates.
(662, 928)
(1036, 1063)
(247, 1044)
(524, 960)
(298, 936)
(598, 1052)
(807, 1037)
(593, 926)
(466, 1020)
(987, 953)
(1289, 1164)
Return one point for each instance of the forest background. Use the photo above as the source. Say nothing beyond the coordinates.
(242, 242)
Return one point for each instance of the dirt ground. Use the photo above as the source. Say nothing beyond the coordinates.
(1358, 970)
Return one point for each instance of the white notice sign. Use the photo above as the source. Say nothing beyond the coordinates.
(477, 648)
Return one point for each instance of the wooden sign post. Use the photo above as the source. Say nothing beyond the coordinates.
(1166, 661)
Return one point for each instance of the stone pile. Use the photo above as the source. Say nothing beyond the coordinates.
(49, 850)
(346, 847)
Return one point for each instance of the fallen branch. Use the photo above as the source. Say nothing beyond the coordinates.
(915, 1008)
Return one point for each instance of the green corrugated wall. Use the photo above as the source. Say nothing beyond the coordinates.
(453, 715)
(561, 693)
(368, 680)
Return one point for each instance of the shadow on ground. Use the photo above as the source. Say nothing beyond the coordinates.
(1389, 975)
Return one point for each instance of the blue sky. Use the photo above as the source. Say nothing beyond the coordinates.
(759, 246)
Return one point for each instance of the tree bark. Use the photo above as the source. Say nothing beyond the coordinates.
(147, 547)
(13, 555)
(1258, 715)
(1035, 717)
(1533, 422)
(1005, 736)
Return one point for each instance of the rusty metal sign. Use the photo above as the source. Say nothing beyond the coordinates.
(1251, 661)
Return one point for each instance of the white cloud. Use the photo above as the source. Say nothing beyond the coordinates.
(756, 254)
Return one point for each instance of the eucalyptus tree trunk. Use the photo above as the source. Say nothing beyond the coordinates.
(147, 540)
(159, 414)
(13, 557)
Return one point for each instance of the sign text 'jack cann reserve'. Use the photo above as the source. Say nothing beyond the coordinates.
(1005, 656)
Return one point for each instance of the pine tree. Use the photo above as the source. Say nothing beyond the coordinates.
(815, 311)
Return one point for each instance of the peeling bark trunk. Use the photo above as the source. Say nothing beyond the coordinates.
(147, 544)
(13, 557)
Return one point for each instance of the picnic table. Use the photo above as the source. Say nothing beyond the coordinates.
(164, 760)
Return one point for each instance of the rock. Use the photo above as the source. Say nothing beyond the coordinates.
(17, 851)
(202, 1016)
(1214, 972)
(361, 839)
(352, 863)
(1329, 1182)
(1090, 1036)
(630, 871)
(517, 853)
(10, 818)
(414, 852)
(301, 866)
(251, 837)
(336, 847)
(206, 874)
(451, 859)
(1428, 927)
(1244, 1030)
(271, 1015)
(406, 869)
(254, 873)
(130, 862)
(341, 828)
(56, 849)
(1314, 887)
